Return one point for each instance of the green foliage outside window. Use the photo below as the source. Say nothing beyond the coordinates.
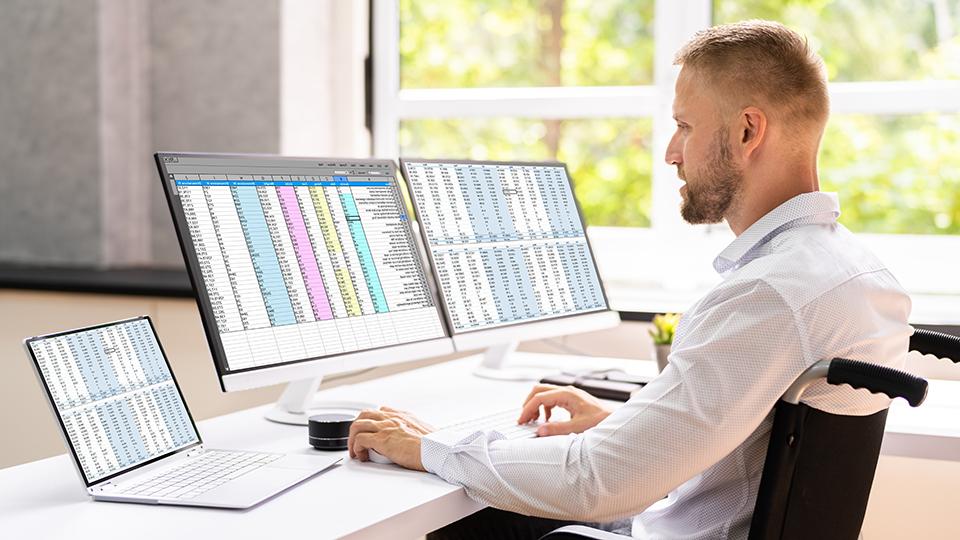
(894, 174)
(511, 43)
(898, 174)
(867, 40)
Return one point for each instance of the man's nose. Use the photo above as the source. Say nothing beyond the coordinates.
(673, 155)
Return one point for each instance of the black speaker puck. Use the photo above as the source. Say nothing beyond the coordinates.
(330, 431)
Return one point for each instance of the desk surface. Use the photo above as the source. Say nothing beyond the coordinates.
(45, 499)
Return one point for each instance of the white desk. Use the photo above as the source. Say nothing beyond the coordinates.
(44, 499)
(930, 431)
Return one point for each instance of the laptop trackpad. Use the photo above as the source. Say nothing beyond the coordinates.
(253, 487)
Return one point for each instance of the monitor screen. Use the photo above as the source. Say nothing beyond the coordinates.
(114, 395)
(296, 259)
(506, 240)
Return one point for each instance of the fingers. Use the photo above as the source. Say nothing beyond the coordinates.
(371, 414)
(526, 415)
(539, 388)
(365, 426)
(409, 419)
(557, 397)
(556, 428)
(362, 443)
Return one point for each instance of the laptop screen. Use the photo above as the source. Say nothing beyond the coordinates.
(115, 396)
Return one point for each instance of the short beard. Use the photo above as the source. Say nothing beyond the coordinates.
(715, 186)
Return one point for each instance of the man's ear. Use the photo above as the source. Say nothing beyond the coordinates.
(753, 129)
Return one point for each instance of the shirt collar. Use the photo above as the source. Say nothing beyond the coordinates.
(804, 209)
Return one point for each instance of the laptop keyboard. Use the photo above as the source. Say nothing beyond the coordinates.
(207, 471)
(504, 422)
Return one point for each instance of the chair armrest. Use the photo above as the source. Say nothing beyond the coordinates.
(580, 532)
(941, 345)
(878, 379)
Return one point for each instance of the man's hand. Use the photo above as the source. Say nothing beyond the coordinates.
(585, 410)
(392, 433)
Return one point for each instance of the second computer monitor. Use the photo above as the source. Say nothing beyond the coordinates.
(508, 245)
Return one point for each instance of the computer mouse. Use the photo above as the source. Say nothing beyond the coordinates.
(377, 457)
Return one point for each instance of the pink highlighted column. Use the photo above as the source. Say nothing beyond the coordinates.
(305, 255)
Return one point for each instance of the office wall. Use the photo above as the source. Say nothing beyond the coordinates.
(91, 88)
(49, 122)
(215, 87)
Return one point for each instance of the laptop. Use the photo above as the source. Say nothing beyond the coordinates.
(130, 434)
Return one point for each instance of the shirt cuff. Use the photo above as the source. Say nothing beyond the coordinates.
(436, 447)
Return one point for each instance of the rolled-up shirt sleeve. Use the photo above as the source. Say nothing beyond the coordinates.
(733, 357)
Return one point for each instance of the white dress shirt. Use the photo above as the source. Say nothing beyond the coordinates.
(685, 453)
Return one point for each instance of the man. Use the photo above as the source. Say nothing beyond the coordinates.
(685, 454)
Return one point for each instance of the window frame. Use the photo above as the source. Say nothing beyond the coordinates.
(675, 21)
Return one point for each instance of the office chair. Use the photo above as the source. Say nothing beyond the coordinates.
(819, 466)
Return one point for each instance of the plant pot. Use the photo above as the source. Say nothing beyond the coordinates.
(661, 354)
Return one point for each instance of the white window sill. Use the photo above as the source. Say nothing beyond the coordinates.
(652, 271)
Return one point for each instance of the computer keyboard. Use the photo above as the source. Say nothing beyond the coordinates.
(203, 473)
(504, 422)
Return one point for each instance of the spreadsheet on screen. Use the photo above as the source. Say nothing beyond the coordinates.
(302, 260)
(115, 396)
(506, 240)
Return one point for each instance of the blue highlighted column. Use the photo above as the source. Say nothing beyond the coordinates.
(552, 195)
(518, 264)
(499, 221)
(498, 279)
(174, 415)
(98, 373)
(569, 257)
(471, 189)
(264, 256)
(592, 294)
(360, 243)
(148, 352)
(118, 420)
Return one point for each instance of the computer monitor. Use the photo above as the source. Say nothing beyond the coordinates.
(302, 267)
(509, 250)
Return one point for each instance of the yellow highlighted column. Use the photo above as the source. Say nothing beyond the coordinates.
(332, 241)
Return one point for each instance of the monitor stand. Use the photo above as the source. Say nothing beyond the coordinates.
(298, 403)
(493, 365)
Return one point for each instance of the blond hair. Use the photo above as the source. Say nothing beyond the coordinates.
(764, 62)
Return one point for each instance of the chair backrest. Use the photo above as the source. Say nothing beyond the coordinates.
(817, 475)
(819, 466)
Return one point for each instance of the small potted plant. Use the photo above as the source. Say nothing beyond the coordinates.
(662, 334)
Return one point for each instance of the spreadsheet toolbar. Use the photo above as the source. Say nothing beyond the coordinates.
(115, 396)
(299, 267)
(506, 241)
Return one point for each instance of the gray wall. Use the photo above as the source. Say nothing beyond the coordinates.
(215, 80)
(211, 74)
(49, 132)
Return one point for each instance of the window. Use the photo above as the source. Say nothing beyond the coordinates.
(896, 169)
(591, 83)
(531, 80)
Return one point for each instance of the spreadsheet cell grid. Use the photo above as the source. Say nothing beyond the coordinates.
(506, 240)
(281, 254)
(115, 395)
